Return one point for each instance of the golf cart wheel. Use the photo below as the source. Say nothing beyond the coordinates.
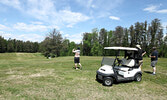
(108, 81)
(138, 78)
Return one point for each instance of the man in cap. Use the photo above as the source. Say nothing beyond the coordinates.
(154, 59)
(140, 55)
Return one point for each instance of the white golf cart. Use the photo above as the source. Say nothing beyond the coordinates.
(115, 69)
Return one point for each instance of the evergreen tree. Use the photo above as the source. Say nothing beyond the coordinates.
(10, 45)
(155, 28)
(125, 38)
(110, 35)
(118, 36)
(132, 36)
(3, 45)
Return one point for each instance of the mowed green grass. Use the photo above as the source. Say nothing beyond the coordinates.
(29, 76)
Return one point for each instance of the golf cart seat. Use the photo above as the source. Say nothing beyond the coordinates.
(128, 62)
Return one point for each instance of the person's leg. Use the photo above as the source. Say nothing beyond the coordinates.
(80, 65)
(154, 70)
(140, 63)
(75, 61)
(76, 66)
(153, 63)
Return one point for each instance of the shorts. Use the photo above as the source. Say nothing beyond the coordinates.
(76, 60)
(153, 63)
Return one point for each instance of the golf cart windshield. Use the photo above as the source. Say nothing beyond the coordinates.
(128, 52)
(107, 61)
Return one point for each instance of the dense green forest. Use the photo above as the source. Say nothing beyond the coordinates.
(13, 45)
(143, 33)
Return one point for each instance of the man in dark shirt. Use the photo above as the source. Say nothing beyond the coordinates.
(154, 59)
(140, 55)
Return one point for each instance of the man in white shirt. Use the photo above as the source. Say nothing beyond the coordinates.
(77, 57)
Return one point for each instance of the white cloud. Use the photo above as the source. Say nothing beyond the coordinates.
(99, 8)
(3, 27)
(114, 18)
(70, 25)
(61, 32)
(14, 3)
(40, 9)
(151, 8)
(36, 22)
(33, 27)
(66, 35)
(37, 26)
(77, 38)
(30, 27)
(6, 35)
(162, 11)
(47, 11)
(164, 26)
(155, 9)
(30, 37)
(24, 37)
(72, 18)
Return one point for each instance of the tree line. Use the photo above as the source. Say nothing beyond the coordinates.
(146, 34)
(13, 45)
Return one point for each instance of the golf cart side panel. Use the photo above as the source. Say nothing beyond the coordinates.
(121, 79)
(127, 72)
(102, 75)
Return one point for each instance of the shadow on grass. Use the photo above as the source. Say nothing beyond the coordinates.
(99, 81)
(77, 68)
(148, 72)
(122, 82)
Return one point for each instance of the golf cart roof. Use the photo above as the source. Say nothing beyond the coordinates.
(121, 48)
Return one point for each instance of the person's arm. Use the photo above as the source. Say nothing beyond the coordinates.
(143, 53)
(152, 56)
(73, 51)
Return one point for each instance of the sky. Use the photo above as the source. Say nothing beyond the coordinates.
(33, 19)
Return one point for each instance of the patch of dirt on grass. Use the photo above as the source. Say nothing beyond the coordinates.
(15, 76)
(36, 75)
(47, 72)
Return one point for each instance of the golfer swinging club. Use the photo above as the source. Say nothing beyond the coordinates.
(77, 58)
